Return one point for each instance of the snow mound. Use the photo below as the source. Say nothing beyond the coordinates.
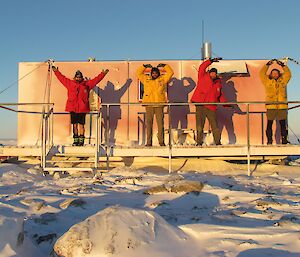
(126, 232)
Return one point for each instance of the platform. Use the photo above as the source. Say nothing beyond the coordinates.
(174, 151)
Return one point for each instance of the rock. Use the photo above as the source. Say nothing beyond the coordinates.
(177, 186)
(75, 190)
(57, 175)
(49, 237)
(35, 204)
(72, 202)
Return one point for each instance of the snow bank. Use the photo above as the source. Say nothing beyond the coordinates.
(10, 235)
(126, 232)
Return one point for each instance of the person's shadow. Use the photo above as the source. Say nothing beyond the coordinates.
(111, 95)
(225, 114)
(178, 93)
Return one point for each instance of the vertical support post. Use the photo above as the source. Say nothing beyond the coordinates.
(91, 128)
(138, 134)
(262, 128)
(42, 143)
(46, 133)
(128, 106)
(170, 139)
(52, 127)
(97, 141)
(107, 148)
(248, 140)
(43, 157)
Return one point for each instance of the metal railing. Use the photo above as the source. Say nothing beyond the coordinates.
(47, 125)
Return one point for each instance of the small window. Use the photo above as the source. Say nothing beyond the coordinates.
(140, 91)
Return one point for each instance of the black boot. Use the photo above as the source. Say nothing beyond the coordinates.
(284, 140)
(81, 140)
(75, 140)
(283, 132)
(269, 132)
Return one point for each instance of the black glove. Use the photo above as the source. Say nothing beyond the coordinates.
(54, 68)
(217, 59)
(280, 63)
(147, 65)
(271, 61)
(161, 65)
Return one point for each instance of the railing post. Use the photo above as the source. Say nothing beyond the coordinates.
(52, 127)
(262, 128)
(170, 138)
(43, 158)
(248, 140)
(107, 137)
(97, 141)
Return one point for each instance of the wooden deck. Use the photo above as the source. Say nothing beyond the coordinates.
(175, 151)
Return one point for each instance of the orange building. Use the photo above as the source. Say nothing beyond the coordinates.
(240, 79)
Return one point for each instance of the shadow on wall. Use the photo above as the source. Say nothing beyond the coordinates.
(225, 114)
(178, 92)
(113, 114)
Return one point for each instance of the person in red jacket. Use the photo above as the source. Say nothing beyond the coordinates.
(78, 100)
(208, 90)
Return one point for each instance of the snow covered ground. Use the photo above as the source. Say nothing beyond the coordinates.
(110, 215)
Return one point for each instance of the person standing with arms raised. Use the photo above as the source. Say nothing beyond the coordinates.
(78, 100)
(155, 89)
(208, 90)
(275, 87)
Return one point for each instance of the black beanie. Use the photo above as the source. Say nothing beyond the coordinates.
(78, 73)
(213, 70)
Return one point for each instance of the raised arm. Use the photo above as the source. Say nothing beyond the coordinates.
(202, 68)
(263, 73)
(93, 82)
(286, 76)
(140, 73)
(64, 80)
(169, 73)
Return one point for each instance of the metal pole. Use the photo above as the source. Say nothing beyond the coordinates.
(262, 129)
(128, 99)
(248, 140)
(52, 127)
(97, 142)
(43, 143)
(47, 143)
(107, 136)
(170, 140)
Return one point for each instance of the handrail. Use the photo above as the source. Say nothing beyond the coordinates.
(47, 125)
(12, 104)
(2, 105)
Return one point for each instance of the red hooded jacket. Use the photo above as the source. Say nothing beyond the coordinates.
(78, 93)
(207, 90)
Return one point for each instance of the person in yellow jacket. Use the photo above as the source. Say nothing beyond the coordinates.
(275, 88)
(155, 88)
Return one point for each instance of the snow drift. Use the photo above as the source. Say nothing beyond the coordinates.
(121, 231)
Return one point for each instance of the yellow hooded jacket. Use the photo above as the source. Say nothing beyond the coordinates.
(155, 89)
(275, 89)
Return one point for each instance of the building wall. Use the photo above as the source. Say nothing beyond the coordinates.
(121, 86)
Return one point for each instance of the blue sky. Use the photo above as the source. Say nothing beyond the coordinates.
(67, 30)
